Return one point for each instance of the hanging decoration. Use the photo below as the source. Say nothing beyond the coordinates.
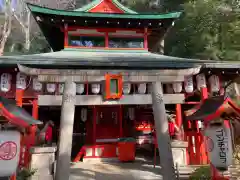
(84, 114)
(169, 88)
(51, 88)
(131, 113)
(37, 86)
(177, 87)
(95, 88)
(188, 84)
(126, 88)
(80, 88)
(142, 88)
(6, 82)
(214, 83)
(21, 81)
(60, 88)
(201, 81)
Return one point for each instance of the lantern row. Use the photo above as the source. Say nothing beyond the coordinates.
(21, 83)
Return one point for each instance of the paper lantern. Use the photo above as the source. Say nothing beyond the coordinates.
(214, 83)
(177, 87)
(84, 114)
(126, 88)
(131, 113)
(188, 84)
(201, 81)
(6, 82)
(51, 88)
(37, 86)
(60, 88)
(21, 81)
(9, 152)
(96, 88)
(80, 88)
(219, 146)
(142, 88)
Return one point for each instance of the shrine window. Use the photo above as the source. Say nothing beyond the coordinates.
(86, 41)
(125, 42)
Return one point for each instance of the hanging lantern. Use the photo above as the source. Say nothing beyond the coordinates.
(126, 88)
(80, 88)
(37, 86)
(60, 88)
(6, 82)
(188, 84)
(51, 88)
(131, 113)
(214, 83)
(219, 145)
(142, 88)
(201, 81)
(169, 88)
(95, 88)
(177, 87)
(84, 114)
(21, 82)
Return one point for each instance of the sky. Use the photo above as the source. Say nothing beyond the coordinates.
(14, 2)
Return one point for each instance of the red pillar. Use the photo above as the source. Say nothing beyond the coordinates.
(179, 120)
(94, 128)
(32, 129)
(204, 157)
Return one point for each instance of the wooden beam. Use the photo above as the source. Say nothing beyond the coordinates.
(89, 100)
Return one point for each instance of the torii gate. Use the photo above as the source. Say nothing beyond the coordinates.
(70, 77)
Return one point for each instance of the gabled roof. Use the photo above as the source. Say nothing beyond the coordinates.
(212, 108)
(95, 3)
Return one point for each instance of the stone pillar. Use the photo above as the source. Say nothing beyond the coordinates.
(163, 138)
(66, 131)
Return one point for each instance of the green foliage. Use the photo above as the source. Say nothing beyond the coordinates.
(203, 173)
(24, 174)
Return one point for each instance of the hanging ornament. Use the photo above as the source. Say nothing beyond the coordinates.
(201, 81)
(142, 88)
(60, 88)
(80, 88)
(126, 88)
(21, 81)
(84, 114)
(177, 87)
(6, 82)
(214, 83)
(37, 86)
(95, 88)
(131, 113)
(51, 88)
(188, 84)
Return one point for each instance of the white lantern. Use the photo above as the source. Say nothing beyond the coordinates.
(214, 83)
(142, 88)
(6, 82)
(51, 88)
(131, 113)
(9, 152)
(177, 87)
(219, 145)
(126, 88)
(188, 84)
(84, 114)
(37, 86)
(60, 88)
(80, 88)
(201, 81)
(95, 88)
(21, 81)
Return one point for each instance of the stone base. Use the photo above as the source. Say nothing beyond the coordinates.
(179, 150)
(42, 177)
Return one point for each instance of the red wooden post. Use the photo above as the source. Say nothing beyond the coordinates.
(94, 128)
(32, 135)
(179, 120)
(197, 144)
(204, 95)
(145, 38)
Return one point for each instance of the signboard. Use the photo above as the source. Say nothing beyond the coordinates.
(9, 152)
(219, 145)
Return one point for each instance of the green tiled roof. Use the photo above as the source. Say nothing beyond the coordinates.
(96, 2)
(43, 10)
